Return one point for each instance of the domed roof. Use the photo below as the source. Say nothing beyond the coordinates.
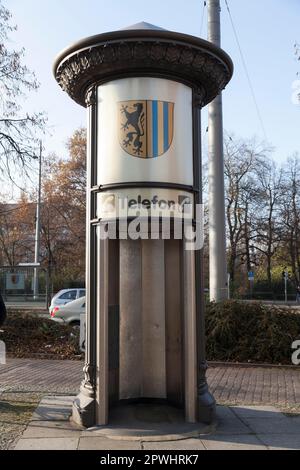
(143, 50)
(143, 25)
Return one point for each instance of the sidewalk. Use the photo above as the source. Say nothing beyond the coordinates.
(251, 418)
(238, 428)
(232, 385)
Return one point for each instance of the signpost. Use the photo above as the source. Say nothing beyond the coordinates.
(144, 88)
(251, 281)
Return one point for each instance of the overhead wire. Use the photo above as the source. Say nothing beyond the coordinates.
(246, 72)
(202, 20)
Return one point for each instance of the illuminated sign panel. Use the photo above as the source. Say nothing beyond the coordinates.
(145, 132)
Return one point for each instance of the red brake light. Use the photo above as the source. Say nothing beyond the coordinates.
(53, 312)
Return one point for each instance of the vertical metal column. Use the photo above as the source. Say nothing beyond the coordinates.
(190, 341)
(84, 411)
(102, 398)
(206, 406)
(37, 231)
(217, 225)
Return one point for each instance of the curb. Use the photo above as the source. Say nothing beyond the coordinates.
(247, 365)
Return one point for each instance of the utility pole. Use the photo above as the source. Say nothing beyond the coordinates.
(218, 281)
(37, 231)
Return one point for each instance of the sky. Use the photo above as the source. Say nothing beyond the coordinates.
(267, 31)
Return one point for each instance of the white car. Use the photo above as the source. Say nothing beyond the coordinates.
(69, 313)
(65, 296)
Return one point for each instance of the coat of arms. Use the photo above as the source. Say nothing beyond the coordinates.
(146, 127)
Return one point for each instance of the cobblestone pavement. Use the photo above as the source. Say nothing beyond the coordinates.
(229, 384)
(255, 385)
(48, 376)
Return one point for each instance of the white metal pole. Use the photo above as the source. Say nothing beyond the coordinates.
(217, 232)
(37, 231)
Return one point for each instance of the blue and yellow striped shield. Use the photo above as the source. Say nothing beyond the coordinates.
(146, 127)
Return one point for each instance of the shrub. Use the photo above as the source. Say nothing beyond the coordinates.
(27, 335)
(250, 332)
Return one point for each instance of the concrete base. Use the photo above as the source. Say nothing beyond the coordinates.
(206, 407)
(83, 414)
(151, 422)
(84, 409)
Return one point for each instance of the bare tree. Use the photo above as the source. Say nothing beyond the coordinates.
(291, 215)
(18, 138)
(267, 222)
(242, 158)
(236, 169)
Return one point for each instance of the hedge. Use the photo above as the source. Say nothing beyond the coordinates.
(240, 331)
(237, 331)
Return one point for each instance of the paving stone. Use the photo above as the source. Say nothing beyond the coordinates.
(186, 444)
(244, 387)
(274, 425)
(42, 375)
(70, 443)
(235, 385)
(233, 442)
(280, 442)
(229, 423)
(264, 412)
(52, 412)
(232, 427)
(51, 429)
(63, 400)
(225, 413)
(100, 443)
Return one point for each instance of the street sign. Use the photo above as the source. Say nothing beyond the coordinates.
(29, 265)
(15, 281)
(250, 276)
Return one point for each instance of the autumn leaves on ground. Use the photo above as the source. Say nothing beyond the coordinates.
(26, 335)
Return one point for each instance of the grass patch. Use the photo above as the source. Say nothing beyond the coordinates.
(15, 413)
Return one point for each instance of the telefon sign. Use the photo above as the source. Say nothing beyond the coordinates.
(152, 202)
